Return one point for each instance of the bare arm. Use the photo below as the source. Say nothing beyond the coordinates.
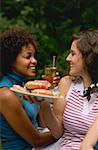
(14, 113)
(54, 118)
(91, 137)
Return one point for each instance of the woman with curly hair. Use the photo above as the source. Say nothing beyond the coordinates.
(18, 119)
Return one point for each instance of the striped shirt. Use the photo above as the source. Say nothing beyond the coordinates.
(78, 116)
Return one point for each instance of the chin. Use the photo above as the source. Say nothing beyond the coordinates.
(31, 75)
(71, 73)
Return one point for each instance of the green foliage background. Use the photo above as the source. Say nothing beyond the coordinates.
(53, 22)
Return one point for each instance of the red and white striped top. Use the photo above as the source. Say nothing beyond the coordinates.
(78, 116)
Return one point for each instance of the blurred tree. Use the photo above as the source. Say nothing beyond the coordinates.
(52, 21)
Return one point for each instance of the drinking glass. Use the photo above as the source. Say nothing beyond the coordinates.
(50, 73)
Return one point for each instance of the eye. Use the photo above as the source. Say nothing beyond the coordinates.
(27, 56)
(72, 53)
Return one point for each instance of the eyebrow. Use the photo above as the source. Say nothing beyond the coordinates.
(28, 52)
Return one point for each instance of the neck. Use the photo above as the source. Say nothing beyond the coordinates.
(86, 81)
(16, 77)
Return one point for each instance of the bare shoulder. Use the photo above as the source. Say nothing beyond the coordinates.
(4, 96)
(5, 93)
(8, 99)
(66, 80)
(64, 84)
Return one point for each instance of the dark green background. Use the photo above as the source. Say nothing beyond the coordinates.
(53, 22)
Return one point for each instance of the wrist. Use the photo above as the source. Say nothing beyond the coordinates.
(45, 105)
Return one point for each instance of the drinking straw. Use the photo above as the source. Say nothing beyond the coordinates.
(54, 60)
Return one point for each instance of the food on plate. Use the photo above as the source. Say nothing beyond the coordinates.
(56, 92)
(18, 87)
(46, 92)
(37, 84)
(37, 87)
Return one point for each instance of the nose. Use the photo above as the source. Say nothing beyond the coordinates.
(68, 58)
(33, 60)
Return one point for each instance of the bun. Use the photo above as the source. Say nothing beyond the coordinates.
(37, 84)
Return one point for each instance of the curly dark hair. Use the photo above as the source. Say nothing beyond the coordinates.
(11, 43)
(88, 45)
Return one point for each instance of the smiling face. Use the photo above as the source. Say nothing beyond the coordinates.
(25, 63)
(76, 61)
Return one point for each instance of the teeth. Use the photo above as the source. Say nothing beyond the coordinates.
(33, 68)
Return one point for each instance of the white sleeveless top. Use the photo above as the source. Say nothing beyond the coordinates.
(78, 116)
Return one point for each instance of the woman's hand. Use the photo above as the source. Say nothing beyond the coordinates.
(56, 79)
(27, 98)
(42, 101)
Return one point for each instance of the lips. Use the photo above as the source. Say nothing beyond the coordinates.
(32, 68)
